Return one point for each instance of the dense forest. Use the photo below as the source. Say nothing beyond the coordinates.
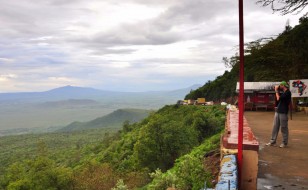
(165, 149)
(266, 59)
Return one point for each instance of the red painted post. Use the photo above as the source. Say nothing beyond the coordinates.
(241, 93)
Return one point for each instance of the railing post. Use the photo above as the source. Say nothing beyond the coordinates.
(241, 92)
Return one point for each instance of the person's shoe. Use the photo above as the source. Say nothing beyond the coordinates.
(270, 144)
(283, 146)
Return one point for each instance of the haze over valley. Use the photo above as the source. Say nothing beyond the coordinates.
(51, 110)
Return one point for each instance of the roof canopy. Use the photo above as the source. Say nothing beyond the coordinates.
(250, 87)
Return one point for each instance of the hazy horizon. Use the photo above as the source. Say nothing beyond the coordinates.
(86, 87)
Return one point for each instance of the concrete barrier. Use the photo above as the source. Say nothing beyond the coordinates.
(228, 176)
(230, 138)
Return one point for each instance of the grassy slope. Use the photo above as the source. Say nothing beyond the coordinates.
(112, 120)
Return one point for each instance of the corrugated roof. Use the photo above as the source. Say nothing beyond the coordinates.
(257, 86)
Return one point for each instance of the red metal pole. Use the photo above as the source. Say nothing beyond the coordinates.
(241, 93)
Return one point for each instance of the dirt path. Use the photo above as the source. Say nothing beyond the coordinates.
(281, 168)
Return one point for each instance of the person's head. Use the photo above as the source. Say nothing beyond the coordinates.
(284, 85)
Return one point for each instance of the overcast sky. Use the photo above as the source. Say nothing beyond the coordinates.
(131, 45)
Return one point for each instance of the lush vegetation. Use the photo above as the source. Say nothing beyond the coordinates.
(191, 170)
(145, 155)
(64, 148)
(112, 120)
(283, 58)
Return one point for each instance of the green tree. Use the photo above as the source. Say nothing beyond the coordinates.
(172, 132)
(231, 62)
(95, 176)
(40, 173)
(296, 46)
(120, 185)
(266, 59)
(189, 171)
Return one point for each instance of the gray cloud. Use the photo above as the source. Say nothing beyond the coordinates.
(55, 42)
(158, 31)
(139, 34)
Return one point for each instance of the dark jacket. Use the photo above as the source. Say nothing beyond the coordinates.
(284, 101)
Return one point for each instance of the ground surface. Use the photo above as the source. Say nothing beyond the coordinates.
(281, 168)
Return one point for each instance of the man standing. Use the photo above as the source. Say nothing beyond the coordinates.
(281, 114)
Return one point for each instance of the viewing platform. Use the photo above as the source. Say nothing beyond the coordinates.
(262, 167)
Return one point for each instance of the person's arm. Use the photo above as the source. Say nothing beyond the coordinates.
(277, 92)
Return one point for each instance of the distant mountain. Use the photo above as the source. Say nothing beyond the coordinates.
(112, 120)
(61, 106)
(61, 93)
(73, 92)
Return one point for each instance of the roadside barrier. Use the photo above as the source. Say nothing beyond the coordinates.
(228, 176)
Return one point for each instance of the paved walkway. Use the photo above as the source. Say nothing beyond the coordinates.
(281, 168)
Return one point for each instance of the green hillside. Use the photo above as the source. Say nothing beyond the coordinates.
(153, 150)
(112, 120)
(282, 58)
(142, 155)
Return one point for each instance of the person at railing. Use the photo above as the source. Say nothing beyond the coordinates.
(281, 114)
